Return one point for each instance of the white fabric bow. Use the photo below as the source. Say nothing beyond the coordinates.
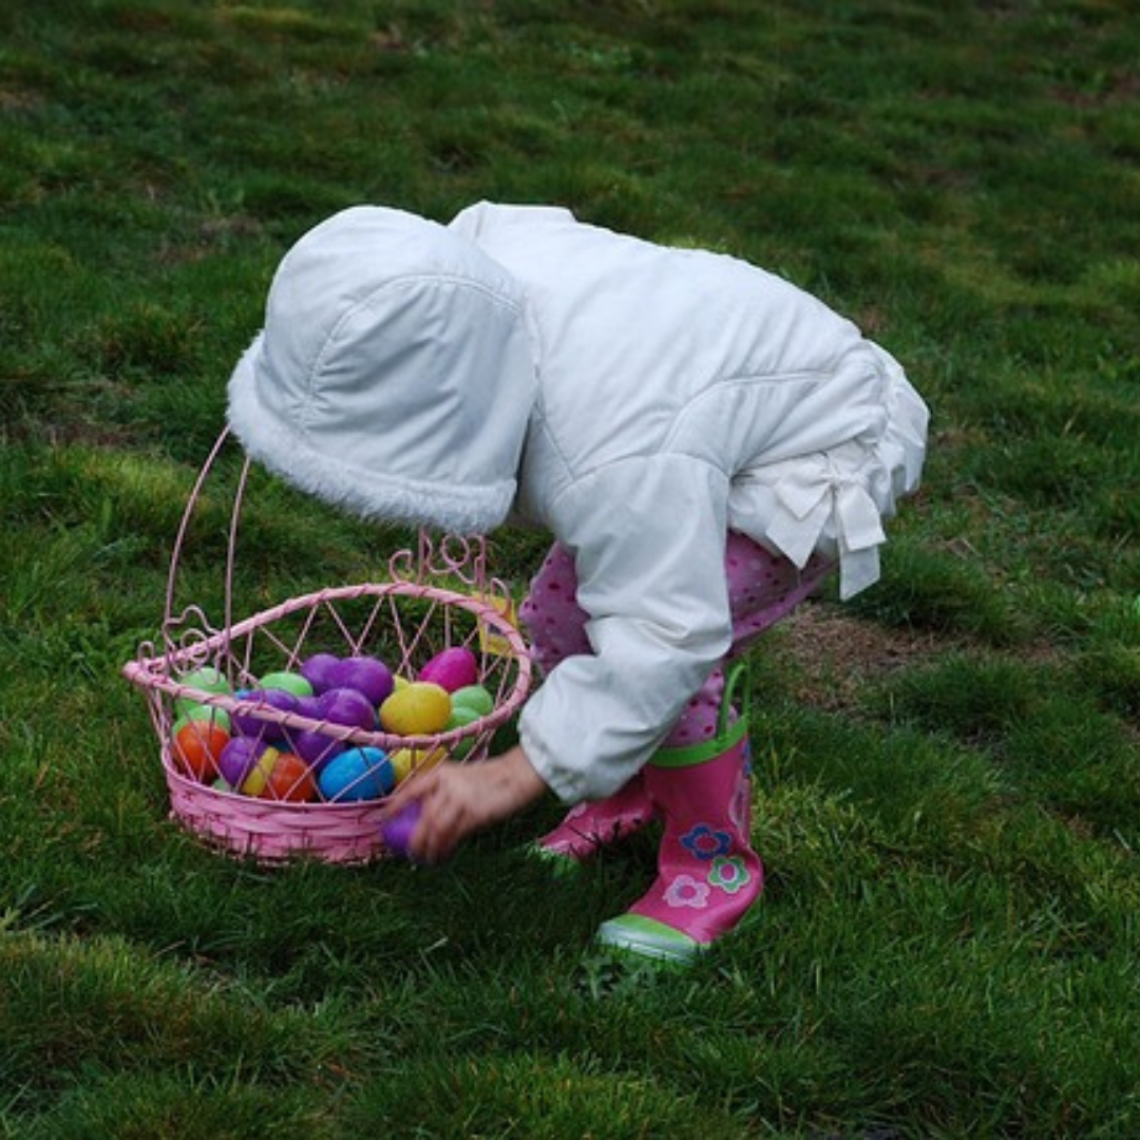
(810, 496)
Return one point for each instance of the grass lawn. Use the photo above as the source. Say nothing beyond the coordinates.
(948, 792)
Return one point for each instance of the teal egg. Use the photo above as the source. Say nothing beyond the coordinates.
(357, 774)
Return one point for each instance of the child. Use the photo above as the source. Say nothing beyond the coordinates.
(704, 441)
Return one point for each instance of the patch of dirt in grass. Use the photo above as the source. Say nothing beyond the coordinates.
(837, 655)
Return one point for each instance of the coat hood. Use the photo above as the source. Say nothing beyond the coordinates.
(394, 376)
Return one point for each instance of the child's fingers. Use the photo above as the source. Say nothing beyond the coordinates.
(441, 822)
(413, 788)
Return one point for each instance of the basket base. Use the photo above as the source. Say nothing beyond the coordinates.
(269, 831)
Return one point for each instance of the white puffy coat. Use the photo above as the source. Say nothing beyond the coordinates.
(636, 400)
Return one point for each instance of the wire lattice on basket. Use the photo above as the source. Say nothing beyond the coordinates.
(205, 680)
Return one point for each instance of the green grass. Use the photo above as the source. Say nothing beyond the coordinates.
(950, 816)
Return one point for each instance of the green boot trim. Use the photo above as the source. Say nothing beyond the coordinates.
(694, 754)
(559, 864)
(727, 735)
(649, 938)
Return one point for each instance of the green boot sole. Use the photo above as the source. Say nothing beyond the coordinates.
(637, 934)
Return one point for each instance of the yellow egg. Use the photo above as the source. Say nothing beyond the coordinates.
(258, 778)
(418, 709)
(407, 760)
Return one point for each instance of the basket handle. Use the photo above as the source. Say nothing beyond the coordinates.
(463, 558)
(169, 619)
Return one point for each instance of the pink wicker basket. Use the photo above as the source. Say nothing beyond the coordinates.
(436, 597)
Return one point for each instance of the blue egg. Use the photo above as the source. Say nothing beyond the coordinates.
(358, 774)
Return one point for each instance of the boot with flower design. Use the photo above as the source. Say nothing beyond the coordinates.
(588, 827)
(708, 874)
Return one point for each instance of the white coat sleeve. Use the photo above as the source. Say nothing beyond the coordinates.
(648, 537)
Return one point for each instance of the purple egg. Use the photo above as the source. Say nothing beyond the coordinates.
(310, 707)
(367, 675)
(346, 706)
(249, 724)
(317, 671)
(238, 758)
(397, 831)
(316, 749)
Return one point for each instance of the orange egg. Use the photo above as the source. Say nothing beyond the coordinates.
(197, 746)
(289, 779)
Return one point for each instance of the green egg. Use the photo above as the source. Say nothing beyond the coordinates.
(473, 697)
(206, 680)
(289, 682)
(202, 712)
(462, 715)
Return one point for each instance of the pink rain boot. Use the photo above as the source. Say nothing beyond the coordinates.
(708, 874)
(589, 827)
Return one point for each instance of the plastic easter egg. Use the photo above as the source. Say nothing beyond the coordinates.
(454, 668)
(405, 761)
(397, 830)
(238, 758)
(310, 707)
(197, 747)
(289, 682)
(203, 713)
(317, 670)
(420, 709)
(257, 778)
(316, 748)
(358, 774)
(367, 675)
(474, 697)
(251, 724)
(206, 680)
(347, 707)
(462, 715)
(400, 683)
(289, 779)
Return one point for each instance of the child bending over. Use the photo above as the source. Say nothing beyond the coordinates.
(704, 441)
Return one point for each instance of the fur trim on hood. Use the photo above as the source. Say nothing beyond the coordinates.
(394, 376)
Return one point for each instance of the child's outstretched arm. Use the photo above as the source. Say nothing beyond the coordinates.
(456, 800)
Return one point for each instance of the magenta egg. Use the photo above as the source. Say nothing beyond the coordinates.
(367, 675)
(452, 669)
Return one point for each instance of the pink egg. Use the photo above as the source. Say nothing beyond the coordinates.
(453, 669)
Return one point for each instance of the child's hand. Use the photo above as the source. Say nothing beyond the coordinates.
(458, 799)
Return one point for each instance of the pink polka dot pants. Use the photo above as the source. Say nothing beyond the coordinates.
(762, 589)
